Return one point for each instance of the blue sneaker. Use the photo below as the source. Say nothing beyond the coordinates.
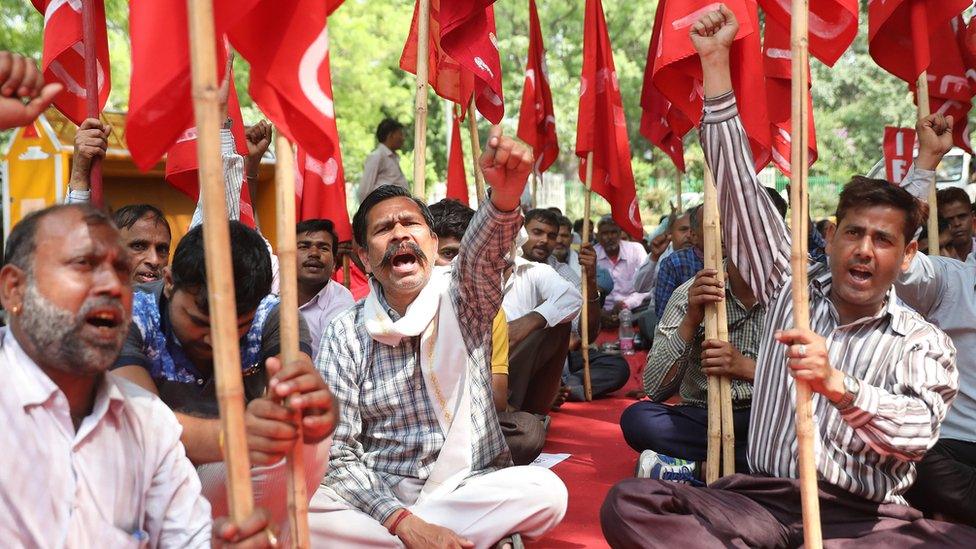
(661, 467)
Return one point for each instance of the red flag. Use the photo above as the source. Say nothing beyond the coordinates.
(359, 282)
(899, 146)
(779, 97)
(182, 168)
(952, 80)
(677, 69)
(287, 45)
(661, 124)
(320, 191)
(467, 35)
(445, 75)
(537, 120)
(457, 184)
(602, 127)
(901, 33)
(64, 55)
(833, 25)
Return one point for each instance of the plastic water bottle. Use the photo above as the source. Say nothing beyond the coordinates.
(626, 332)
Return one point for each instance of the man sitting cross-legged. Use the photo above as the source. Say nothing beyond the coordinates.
(523, 431)
(673, 439)
(882, 377)
(418, 457)
(169, 352)
(89, 459)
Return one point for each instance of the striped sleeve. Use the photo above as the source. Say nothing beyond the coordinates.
(755, 235)
(904, 422)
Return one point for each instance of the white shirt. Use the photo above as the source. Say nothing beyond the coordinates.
(331, 300)
(121, 479)
(623, 271)
(537, 287)
(382, 167)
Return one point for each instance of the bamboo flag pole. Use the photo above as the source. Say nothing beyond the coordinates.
(479, 178)
(677, 188)
(721, 436)
(812, 536)
(585, 313)
(346, 271)
(288, 331)
(420, 119)
(220, 275)
(922, 93)
(91, 91)
(535, 188)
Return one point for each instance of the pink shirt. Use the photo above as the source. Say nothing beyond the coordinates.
(629, 259)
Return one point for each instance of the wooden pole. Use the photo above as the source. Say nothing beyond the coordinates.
(585, 313)
(922, 94)
(721, 438)
(812, 536)
(220, 275)
(420, 120)
(91, 91)
(288, 331)
(535, 188)
(678, 176)
(479, 178)
(346, 271)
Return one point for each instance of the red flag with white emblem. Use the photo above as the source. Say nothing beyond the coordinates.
(537, 120)
(287, 45)
(320, 191)
(779, 97)
(467, 35)
(457, 184)
(602, 127)
(832, 25)
(64, 55)
(661, 123)
(677, 69)
(445, 75)
(902, 33)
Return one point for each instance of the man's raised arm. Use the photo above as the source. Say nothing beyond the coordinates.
(755, 237)
(477, 285)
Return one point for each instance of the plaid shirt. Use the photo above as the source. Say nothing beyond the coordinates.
(675, 270)
(387, 430)
(670, 352)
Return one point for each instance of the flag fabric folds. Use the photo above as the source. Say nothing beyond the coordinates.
(445, 76)
(457, 184)
(602, 128)
(467, 35)
(777, 62)
(64, 55)
(900, 33)
(537, 120)
(832, 25)
(677, 69)
(320, 191)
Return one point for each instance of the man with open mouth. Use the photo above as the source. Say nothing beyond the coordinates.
(418, 457)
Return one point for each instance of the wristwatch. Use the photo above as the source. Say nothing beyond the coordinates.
(851, 387)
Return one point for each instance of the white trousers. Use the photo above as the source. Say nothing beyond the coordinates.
(269, 484)
(526, 500)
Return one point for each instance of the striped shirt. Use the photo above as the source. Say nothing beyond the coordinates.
(671, 352)
(905, 365)
(387, 430)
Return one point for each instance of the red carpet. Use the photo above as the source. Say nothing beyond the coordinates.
(590, 431)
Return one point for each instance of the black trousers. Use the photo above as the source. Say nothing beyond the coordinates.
(946, 482)
(607, 374)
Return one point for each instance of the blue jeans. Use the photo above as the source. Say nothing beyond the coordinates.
(679, 431)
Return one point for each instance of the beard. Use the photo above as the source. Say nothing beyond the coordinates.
(58, 334)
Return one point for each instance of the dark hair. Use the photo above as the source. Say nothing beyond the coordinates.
(386, 127)
(606, 220)
(565, 222)
(545, 216)
(952, 195)
(251, 267)
(380, 194)
(863, 192)
(778, 202)
(317, 226)
(695, 217)
(21, 242)
(555, 210)
(127, 216)
(451, 218)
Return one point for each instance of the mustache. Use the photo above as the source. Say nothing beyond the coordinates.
(103, 302)
(395, 248)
